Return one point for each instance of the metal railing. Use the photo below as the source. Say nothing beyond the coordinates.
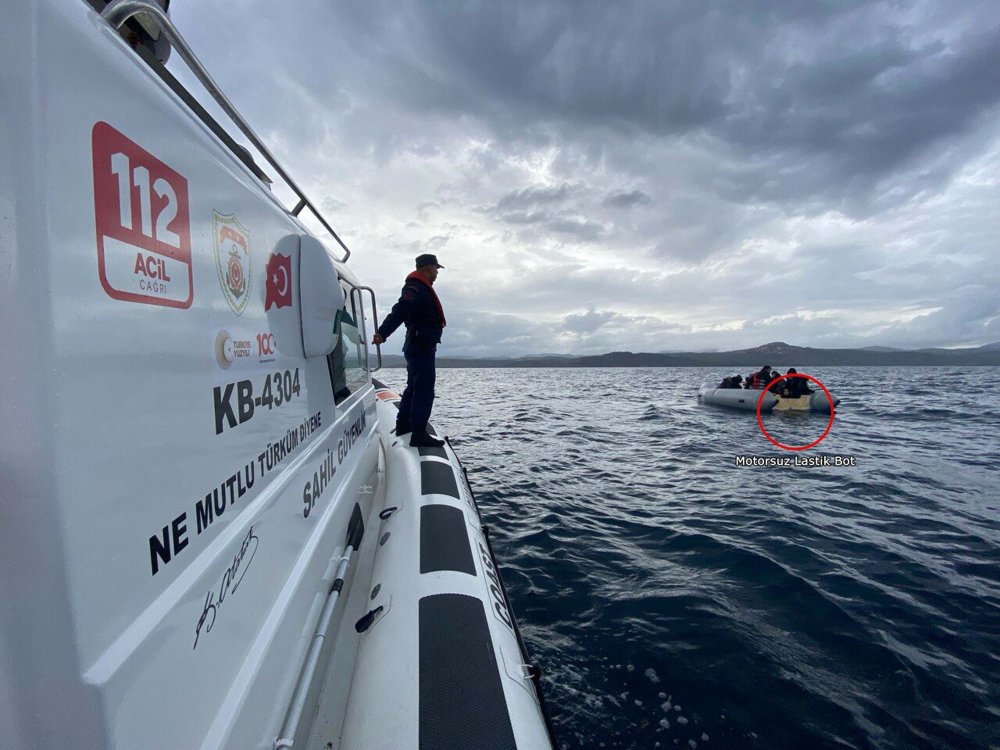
(120, 11)
(378, 347)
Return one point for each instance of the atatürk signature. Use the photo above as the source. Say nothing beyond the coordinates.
(231, 580)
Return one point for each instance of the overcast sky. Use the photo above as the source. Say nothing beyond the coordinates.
(643, 176)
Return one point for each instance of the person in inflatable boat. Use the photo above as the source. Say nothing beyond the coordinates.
(733, 381)
(795, 387)
(778, 385)
(419, 309)
(761, 378)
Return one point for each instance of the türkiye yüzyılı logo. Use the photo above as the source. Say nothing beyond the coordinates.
(232, 260)
(231, 349)
(143, 223)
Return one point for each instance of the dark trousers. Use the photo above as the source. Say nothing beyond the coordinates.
(418, 398)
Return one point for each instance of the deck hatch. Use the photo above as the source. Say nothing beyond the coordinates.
(461, 697)
(436, 452)
(444, 542)
(437, 479)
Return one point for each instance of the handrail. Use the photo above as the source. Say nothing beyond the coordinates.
(292, 724)
(120, 11)
(378, 347)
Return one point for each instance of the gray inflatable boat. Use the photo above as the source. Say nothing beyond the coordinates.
(746, 399)
(735, 398)
(812, 402)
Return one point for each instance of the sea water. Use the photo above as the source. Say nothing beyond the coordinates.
(675, 597)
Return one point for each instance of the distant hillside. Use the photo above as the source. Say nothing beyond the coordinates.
(776, 354)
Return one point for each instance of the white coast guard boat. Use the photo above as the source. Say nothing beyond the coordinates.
(209, 537)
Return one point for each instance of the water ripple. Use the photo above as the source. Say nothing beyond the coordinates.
(670, 595)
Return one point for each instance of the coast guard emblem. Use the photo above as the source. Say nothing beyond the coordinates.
(232, 260)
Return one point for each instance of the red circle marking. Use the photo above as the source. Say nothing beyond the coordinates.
(815, 442)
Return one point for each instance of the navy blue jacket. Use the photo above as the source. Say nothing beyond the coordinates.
(798, 387)
(417, 308)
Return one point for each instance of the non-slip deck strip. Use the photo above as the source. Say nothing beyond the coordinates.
(437, 478)
(462, 704)
(444, 541)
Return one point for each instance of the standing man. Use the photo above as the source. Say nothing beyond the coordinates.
(420, 310)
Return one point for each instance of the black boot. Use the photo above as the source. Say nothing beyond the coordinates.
(402, 427)
(423, 440)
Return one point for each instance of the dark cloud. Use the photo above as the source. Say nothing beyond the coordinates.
(587, 322)
(828, 98)
(971, 313)
(529, 199)
(550, 210)
(627, 200)
(858, 109)
(692, 175)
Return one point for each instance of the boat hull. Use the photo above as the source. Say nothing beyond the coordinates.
(193, 465)
(817, 402)
(442, 648)
(736, 398)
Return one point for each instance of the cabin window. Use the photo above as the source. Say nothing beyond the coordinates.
(349, 359)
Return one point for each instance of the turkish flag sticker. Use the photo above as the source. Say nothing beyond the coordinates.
(279, 281)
